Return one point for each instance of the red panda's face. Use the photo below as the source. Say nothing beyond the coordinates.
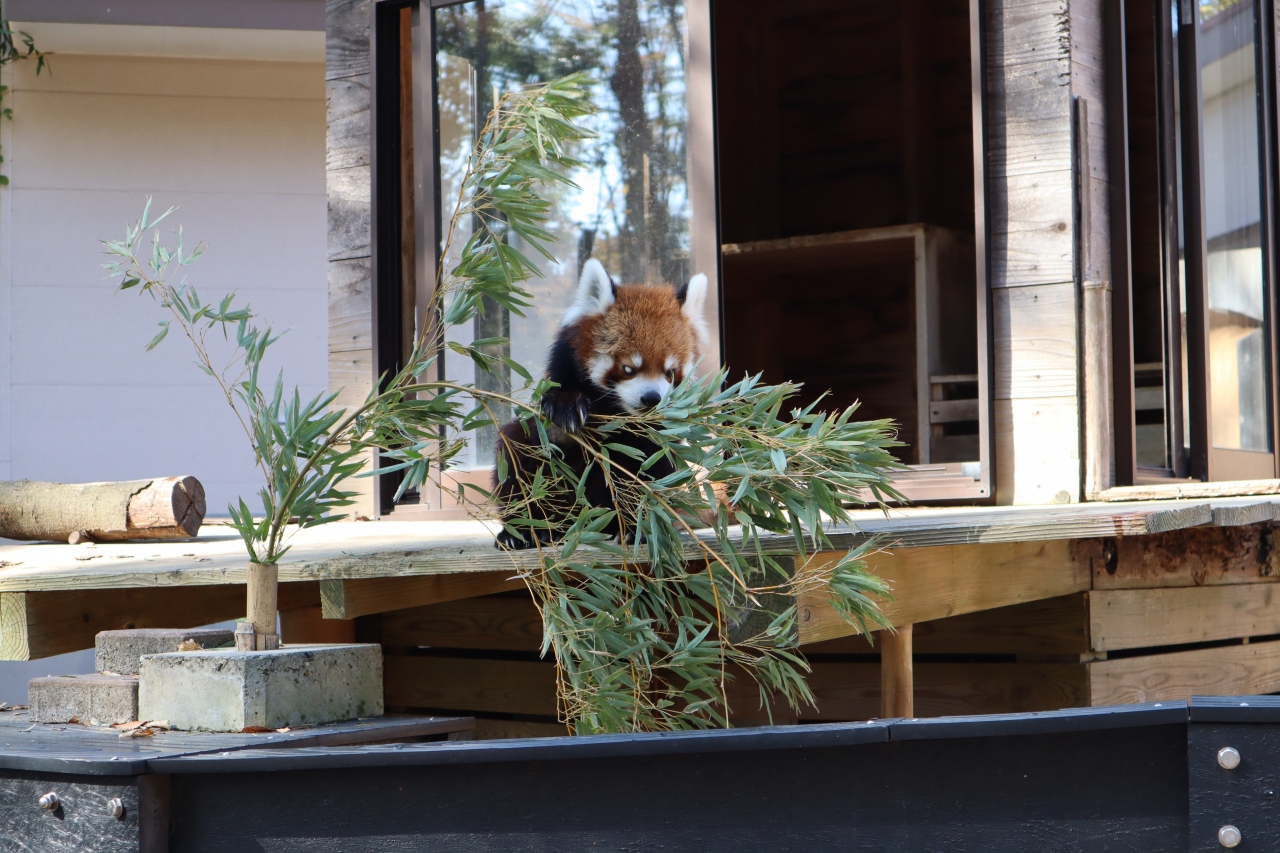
(637, 340)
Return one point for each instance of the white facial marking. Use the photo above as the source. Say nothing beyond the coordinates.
(631, 392)
(637, 360)
(671, 362)
(688, 367)
(598, 367)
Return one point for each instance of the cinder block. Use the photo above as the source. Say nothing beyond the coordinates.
(105, 698)
(227, 690)
(121, 651)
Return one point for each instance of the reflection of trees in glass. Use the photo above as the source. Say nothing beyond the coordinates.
(630, 209)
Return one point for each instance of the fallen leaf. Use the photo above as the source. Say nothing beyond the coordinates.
(139, 732)
(189, 645)
(284, 730)
(18, 708)
(255, 730)
(129, 726)
(74, 721)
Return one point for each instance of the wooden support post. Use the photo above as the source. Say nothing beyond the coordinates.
(897, 691)
(262, 584)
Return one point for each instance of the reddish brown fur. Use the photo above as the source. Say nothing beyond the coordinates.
(644, 319)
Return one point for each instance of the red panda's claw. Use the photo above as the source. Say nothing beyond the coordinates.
(566, 409)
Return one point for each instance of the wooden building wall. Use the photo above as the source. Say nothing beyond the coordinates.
(1031, 73)
(348, 180)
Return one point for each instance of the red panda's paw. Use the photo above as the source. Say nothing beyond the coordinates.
(566, 409)
(506, 540)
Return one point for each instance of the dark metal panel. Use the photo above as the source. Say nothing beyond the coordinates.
(1049, 722)
(82, 822)
(1124, 427)
(1193, 224)
(1246, 797)
(1104, 791)
(758, 739)
(1235, 709)
(238, 14)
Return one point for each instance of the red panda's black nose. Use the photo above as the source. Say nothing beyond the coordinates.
(650, 399)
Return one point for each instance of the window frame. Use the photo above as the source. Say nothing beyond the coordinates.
(1196, 458)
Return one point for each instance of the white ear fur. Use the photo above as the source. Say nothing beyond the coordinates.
(695, 299)
(595, 294)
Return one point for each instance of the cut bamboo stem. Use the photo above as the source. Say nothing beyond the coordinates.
(262, 585)
(897, 676)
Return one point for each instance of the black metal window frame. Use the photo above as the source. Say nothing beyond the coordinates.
(1192, 456)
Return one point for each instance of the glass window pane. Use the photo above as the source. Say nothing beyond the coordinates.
(631, 209)
(1227, 52)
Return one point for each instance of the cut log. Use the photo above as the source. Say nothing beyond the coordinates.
(168, 508)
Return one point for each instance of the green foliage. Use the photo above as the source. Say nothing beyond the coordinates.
(646, 631)
(16, 45)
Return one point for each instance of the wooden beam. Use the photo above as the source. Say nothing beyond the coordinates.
(1053, 626)
(308, 625)
(347, 599)
(1141, 618)
(494, 622)
(1202, 556)
(37, 625)
(1234, 670)
(470, 684)
(896, 679)
(933, 583)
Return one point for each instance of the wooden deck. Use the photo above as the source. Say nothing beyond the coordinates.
(1013, 608)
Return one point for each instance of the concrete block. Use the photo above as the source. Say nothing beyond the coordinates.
(105, 698)
(122, 651)
(229, 690)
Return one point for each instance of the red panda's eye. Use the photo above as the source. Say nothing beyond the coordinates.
(628, 370)
(671, 375)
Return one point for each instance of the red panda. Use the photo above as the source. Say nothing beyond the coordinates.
(619, 350)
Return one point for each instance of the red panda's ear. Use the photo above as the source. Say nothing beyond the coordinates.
(596, 292)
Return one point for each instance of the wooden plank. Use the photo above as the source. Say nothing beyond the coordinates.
(308, 625)
(496, 622)
(489, 729)
(844, 691)
(470, 684)
(347, 25)
(1058, 626)
(1034, 243)
(933, 583)
(37, 625)
(1235, 670)
(1191, 489)
(1035, 341)
(1037, 443)
(1141, 618)
(851, 691)
(347, 599)
(348, 120)
(1200, 556)
(350, 217)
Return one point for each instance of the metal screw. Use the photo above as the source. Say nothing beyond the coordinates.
(115, 807)
(1229, 758)
(50, 802)
(1228, 836)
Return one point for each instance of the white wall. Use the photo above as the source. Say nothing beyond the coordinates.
(239, 147)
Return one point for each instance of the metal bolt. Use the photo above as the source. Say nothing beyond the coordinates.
(1228, 836)
(115, 807)
(1229, 758)
(50, 802)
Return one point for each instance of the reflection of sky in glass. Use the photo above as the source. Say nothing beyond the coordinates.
(1230, 157)
(630, 208)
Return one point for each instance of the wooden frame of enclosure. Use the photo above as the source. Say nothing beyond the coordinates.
(405, 234)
